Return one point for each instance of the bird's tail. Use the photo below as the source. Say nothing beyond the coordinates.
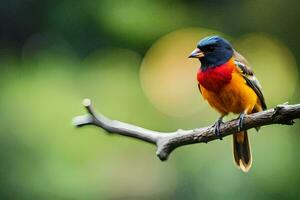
(242, 151)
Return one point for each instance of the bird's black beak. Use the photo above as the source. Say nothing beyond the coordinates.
(197, 53)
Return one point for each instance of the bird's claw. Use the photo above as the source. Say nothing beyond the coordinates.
(241, 121)
(217, 128)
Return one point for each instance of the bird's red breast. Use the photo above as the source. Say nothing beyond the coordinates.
(213, 79)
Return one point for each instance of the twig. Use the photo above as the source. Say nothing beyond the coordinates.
(166, 142)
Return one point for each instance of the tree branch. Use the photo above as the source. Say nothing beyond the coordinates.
(166, 142)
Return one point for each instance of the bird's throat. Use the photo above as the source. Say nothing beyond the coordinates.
(215, 78)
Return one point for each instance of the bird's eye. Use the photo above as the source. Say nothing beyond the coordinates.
(208, 49)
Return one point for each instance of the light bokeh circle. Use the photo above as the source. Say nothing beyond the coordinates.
(168, 77)
(273, 64)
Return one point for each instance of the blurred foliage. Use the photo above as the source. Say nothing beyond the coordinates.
(130, 58)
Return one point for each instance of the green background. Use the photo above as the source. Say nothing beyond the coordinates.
(55, 53)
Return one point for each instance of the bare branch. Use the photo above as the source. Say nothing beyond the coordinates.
(166, 142)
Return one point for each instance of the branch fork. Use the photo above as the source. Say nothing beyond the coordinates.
(166, 142)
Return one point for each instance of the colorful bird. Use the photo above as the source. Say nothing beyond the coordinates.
(227, 82)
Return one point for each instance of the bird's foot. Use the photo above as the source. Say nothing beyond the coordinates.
(217, 128)
(241, 121)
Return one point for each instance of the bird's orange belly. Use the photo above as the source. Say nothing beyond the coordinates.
(235, 96)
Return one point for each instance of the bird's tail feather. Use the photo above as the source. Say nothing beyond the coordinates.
(242, 151)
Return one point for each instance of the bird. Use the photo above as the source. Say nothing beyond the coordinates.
(227, 82)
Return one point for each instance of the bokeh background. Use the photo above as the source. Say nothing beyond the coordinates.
(130, 58)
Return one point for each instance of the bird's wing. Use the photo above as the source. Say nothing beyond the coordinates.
(249, 76)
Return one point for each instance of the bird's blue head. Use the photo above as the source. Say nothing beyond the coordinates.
(212, 51)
